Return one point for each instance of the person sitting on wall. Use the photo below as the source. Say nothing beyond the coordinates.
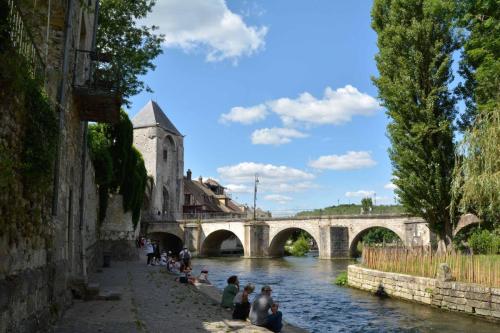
(242, 303)
(230, 292)
(259, 311)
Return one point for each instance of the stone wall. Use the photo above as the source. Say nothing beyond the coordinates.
(118, 234)
(456, 296)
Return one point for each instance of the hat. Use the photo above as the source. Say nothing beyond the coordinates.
(266, 288)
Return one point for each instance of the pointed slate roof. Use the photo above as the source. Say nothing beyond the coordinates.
(152, 115)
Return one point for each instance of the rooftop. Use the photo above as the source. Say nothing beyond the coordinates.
(152, 115)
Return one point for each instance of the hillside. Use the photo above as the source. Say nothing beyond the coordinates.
(352, 209)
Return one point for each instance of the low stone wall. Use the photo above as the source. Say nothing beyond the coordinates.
(456, 296)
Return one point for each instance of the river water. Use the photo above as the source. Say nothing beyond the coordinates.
(309, 299)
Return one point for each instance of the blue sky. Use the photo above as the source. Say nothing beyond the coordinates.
(280, 88)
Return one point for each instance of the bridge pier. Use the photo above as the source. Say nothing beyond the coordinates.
(333, 242)
(256, 240)
(192, 238)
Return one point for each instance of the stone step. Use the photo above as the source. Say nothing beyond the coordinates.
(92, 289)
(109, 295)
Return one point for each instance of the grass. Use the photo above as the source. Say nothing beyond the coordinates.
(480, 269)
(341, 279)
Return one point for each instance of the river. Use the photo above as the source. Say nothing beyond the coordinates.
(309, 299)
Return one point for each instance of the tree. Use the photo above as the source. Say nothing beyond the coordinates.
(476, 184)
(132, 47)
(119, 167)
(416, 41)
(479, 64)
(367, 205)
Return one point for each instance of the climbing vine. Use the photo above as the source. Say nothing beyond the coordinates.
(28, 141)
(119, 167)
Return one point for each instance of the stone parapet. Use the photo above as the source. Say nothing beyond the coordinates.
(456, 296)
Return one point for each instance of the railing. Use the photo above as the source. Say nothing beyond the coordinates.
(96, 87)
(23, 42)
(93, 71)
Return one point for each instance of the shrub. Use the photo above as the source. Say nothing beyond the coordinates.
(484, 242)
(341, 279)
(300, 247)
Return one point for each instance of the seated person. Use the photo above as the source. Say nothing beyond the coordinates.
(163, 259)
(230, 291)
(203, 278)
(273, 320)
(241, 303)
(260, 307)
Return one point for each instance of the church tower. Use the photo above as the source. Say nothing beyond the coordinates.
(162, 147)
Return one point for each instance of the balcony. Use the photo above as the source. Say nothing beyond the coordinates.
(95, 87)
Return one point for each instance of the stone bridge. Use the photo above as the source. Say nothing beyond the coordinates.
(336, 236)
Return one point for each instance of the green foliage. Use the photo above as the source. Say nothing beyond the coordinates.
(485, 242)
(416, 42)
(341, 279)
(366, 205)
(480, 63)
(352, 209)
(119, 167)
(132, 47)
(300, 247)
(27, 149)
(379, 235)
(476, 185)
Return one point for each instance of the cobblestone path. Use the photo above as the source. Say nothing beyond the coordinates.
(151, 301)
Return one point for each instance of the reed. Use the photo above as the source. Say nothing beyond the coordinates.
(421, 261)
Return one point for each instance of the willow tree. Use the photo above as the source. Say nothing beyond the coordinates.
(416, 42)
(477, 175)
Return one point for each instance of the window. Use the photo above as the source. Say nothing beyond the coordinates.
(165, 155)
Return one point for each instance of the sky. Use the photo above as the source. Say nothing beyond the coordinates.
(281, 89)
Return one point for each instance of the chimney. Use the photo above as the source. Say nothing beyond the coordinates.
(200, 179)
(189, 173)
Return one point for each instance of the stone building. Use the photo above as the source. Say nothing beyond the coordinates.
(162, 147)
(208, 199)
(38, 272)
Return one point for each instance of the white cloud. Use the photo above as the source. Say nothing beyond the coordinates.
(350, 161)
(390, 186)
(268, 174)
(360, 193)
(238, 188)
(281, 199)
(244, 115)
(208, 25)
(287, 187)
(275, 136)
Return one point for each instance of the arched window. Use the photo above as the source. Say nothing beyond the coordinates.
(165, 200)
(168, 148)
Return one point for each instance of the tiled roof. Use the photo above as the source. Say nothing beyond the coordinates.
(152, 115)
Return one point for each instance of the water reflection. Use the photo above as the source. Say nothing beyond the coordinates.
(304, 287)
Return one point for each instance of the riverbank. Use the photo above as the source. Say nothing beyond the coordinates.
(462, 297)
(150, 301)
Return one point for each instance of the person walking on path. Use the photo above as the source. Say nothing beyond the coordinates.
(185, 256)
(230, 292)
(149, 251)
(241, 303)
(259, 311)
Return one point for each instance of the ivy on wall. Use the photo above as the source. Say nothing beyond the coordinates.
(28, 141)
(119, 167)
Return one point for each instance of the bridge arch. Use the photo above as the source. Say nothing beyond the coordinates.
(211, 245)
(168, 241)
(358, 236)
(465, 221)
(278, 241)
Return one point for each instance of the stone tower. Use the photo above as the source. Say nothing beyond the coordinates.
(162, 147)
